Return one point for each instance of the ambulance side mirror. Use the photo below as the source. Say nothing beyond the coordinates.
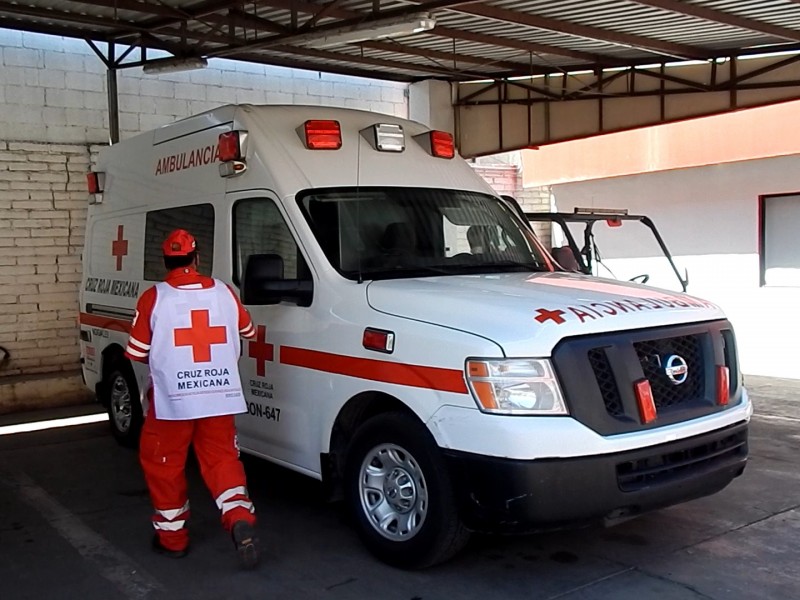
(263, 282)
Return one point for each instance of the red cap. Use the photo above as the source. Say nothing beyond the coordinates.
(179, 243)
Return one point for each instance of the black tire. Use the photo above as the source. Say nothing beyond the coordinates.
(422, 526)
(122, 401)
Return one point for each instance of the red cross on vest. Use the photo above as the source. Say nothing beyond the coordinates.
(260, 350)
(119, 248)
(200, 336)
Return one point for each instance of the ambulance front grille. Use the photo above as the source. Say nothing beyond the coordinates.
(598, 374)
(606, 382)
(652, 356)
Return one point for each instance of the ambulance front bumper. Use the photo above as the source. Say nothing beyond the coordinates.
(508, 495)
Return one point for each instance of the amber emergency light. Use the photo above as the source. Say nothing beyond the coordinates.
(645, 402)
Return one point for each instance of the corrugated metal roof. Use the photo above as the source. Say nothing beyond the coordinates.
(493, 39)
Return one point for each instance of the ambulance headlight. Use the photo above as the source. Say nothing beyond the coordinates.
(523, 386)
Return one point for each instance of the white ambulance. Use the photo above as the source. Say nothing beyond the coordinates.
(418, 349)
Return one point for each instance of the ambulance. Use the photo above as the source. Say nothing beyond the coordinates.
(418, 350)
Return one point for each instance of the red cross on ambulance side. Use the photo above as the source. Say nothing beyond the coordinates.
(119, 247)
(200, 336)
(261, 350)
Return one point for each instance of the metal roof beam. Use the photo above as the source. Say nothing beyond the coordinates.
(57, 15)
(448, 32)
(146, 8)
(718, 16)
(239, 52)
(445, 56)
(681, 51)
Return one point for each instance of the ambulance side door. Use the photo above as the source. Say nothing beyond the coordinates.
(277, 424)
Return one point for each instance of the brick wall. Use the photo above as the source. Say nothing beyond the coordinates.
(53, 93)
(507, 179)
(42, 221)
(504, 179)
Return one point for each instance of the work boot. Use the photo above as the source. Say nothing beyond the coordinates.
(157, 547)
(246, 542)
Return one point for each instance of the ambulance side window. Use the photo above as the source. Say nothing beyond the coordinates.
(197, 219)
(259, 228)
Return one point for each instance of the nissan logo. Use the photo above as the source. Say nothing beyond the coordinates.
(676, 369)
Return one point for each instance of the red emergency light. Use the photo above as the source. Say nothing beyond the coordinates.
(442, 144)
(94, 183)
(322, 134)
(645, 401)
(378, 339)
(723, 385)
(230, 147)
(437, 143)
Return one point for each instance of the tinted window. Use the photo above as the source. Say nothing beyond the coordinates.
(408, 232)
(197, 220)
(259, 228)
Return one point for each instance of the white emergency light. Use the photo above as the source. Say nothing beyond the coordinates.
(386, 137)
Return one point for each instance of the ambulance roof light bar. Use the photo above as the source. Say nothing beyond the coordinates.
(612, 212)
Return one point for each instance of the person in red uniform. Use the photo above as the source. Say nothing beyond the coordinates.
(188, 327)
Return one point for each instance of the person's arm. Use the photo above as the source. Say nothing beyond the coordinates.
(138, 347)
(246, 329)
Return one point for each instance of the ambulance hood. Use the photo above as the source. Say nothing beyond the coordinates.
(528, 313)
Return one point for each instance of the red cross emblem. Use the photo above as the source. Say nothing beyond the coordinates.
(119, 248)
(200, 336)
(261, 351)
(550, 315)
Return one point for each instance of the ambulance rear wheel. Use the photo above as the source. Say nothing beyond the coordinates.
(124, 409)
(400, 494)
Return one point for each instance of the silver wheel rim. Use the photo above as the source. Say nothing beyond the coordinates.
(121, 404)
(393, 492)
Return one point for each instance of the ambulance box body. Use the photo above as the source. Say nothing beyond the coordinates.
(418, 349)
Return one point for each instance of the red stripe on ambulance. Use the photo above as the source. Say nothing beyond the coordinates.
(435, 378)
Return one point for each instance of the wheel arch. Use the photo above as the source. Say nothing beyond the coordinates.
(356, 411)
(111, 355)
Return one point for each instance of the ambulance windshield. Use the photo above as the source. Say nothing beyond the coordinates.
(381, 233)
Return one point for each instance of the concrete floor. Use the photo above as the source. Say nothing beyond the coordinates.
(74, 523)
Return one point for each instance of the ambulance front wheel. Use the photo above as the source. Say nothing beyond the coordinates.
(400, 494)
(124, 409)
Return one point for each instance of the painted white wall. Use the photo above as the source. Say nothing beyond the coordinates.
(709, 219)
(53, 89)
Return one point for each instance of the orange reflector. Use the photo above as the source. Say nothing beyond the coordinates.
(442, 144)
(644, 400)
(485, 394)
(323, 135)
(477, 369)
(614, 222)
(229, 148)
(378, 339)
(723, 385)
(93, 183)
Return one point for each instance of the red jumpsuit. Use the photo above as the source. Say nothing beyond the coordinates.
(164, 444)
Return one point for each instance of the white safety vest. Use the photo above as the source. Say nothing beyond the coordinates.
(194, 353)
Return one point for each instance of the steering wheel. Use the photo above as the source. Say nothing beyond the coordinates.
(643, 278)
